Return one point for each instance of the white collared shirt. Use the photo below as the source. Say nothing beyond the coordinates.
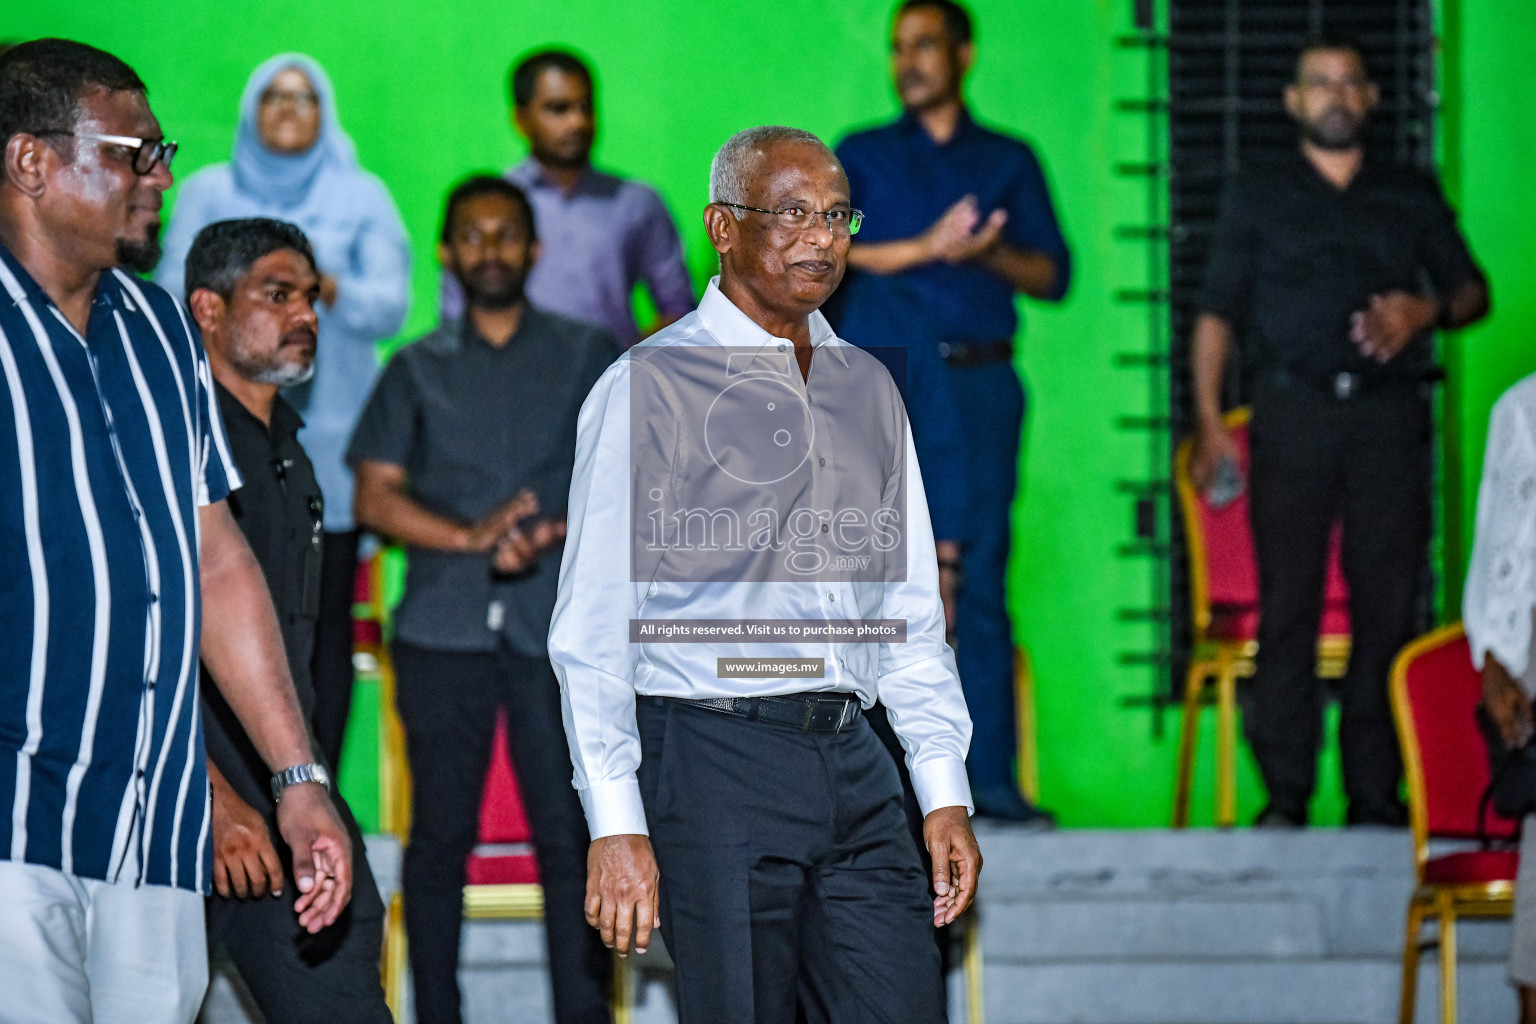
(858, 451)
(1500, 599)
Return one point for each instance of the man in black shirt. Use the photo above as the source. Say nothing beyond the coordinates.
(464, 453)
(251, 286)
(1333, 267)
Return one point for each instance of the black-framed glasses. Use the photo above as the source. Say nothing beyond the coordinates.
(839, 222)
(146, 152)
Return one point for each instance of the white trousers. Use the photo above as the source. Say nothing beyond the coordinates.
(78, 951)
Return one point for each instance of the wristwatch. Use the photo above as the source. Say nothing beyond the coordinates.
(297, 774)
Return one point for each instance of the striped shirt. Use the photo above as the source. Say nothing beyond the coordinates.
(108, 445)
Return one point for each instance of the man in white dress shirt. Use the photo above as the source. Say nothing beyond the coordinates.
(1499, 609)
(781, 577)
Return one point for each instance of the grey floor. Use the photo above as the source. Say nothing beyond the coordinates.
(1146, 927)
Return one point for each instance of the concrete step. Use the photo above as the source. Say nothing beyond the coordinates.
(1152, 928)
(1275, 992)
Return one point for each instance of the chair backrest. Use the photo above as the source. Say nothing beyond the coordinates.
(503, 818)
(1435, 692)
(505, 854)
(1223, 569)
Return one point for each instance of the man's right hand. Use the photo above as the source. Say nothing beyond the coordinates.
(1212, 444)
(623, 891)
(493, 528)
(245, 862)
(1507, 703)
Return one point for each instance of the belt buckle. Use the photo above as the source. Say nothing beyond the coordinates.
(819, 714)
(1344, 386)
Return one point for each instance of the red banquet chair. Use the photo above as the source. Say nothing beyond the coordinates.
(1435, 692)
(1224, 594)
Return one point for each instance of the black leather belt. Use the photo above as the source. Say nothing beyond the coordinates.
(965, 354)
(1345, 386)
(808, 712)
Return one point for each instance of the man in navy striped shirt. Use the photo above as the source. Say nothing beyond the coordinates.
(120, 565)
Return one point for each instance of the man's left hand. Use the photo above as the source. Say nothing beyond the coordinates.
(523, 544)
(322, 854)
(1390, 322)
(956, 861)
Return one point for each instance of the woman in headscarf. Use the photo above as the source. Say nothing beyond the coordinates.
(293, 162)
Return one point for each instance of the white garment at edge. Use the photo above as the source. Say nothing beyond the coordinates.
(1500, 597)
(80, 951)
(841, 455)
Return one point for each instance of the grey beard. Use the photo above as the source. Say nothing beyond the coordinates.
(285, 375)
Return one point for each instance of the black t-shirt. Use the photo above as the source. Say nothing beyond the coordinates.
(279, 509)
(1294, 256)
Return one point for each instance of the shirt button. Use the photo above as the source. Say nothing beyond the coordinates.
(781, 348)
(825, 528)
(822, 461)
(832, 598)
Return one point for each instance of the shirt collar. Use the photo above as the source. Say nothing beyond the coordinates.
(963, 126)
(286, 420)
(531, 174)
(733, 328)
(464, 333)
(106, 283)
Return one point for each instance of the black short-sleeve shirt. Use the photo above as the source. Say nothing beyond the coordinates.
(472, 425)
(1294, 256)
(280, 511)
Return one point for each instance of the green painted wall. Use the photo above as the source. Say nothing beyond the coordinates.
(1489, 148)
(421, 89)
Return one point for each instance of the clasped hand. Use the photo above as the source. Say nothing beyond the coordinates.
(514, 540)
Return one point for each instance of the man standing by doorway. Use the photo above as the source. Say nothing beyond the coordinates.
(464, 454)
(960, 222)
(601, 234)
(1333, 267)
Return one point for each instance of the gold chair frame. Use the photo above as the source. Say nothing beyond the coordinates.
(1444, 902)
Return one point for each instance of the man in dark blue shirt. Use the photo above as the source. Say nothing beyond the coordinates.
(958, 220)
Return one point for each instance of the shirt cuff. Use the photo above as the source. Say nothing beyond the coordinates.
(942, 782)
(613, 808)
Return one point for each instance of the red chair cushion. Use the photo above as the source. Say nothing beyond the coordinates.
(1232, 571)
(503, 823)
(1472, 866)
(501, 869)
(1443, 692)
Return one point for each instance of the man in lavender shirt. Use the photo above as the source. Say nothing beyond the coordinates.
(601, 234)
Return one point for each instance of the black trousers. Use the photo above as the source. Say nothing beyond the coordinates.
(299, 978)
(880, 722)
(1316, 459)
(448, 702)
(330, 664)
(787, 873)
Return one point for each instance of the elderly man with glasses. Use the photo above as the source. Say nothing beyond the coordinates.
(781, 577)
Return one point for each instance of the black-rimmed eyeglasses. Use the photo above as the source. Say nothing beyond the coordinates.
(839, 222)
(146, 152)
